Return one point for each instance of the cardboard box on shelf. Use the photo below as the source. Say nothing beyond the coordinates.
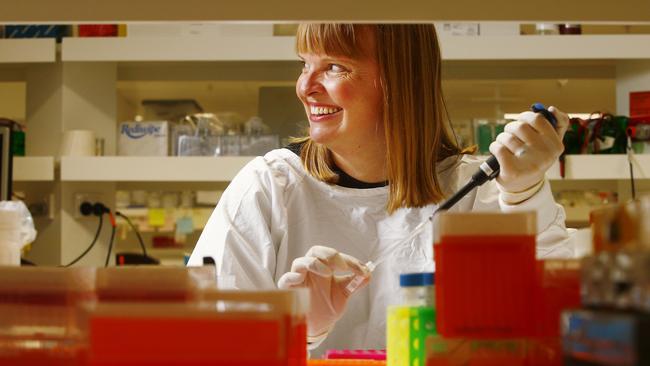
(143, 139)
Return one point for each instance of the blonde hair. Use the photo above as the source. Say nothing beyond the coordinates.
(417, 132)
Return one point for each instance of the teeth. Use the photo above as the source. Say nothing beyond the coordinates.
(323, 110)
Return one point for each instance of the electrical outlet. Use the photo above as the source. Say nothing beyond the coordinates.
(90, 197)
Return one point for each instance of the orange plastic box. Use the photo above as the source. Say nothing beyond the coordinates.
(39, 322)
(233, 328)
(154, 283)
(485, 274)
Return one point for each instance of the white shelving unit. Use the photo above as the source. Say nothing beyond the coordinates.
(151, 169)
(27, 50)
(601, 167)
(282, 48)
(223, 169)
(565, 47)
(33, 168)
(78, 92)
(179, 49)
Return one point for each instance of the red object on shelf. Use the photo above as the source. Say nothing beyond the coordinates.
(98, 30)
(640, 104)
(165, 242)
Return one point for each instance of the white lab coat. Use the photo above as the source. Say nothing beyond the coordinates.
(273, 211)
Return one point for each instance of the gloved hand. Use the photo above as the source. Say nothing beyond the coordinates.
(327, 273)
(527, 148)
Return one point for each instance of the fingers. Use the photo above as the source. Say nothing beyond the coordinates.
(311, 264)
(563, 121)
(336, 261)
(511, 142)
(534, 130)
(291, 280)
(505, 157)
(523, 131)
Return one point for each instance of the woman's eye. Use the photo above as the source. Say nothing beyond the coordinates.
(336, 68)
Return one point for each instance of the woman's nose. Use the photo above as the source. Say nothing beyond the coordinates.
(309, 83)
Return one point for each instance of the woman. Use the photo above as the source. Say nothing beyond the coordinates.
(379, 158)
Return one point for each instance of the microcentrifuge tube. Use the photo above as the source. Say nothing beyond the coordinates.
(358, 279)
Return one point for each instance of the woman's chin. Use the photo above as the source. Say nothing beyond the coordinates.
(320, 137)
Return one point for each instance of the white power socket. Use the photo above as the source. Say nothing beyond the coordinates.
(91, 197)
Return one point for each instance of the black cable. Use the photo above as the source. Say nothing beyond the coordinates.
(137, 232)
(110, 246)
(99, 229)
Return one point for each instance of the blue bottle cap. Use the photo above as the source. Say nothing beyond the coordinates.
(416, 279)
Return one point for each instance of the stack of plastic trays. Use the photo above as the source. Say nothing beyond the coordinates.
(557, 289)
(407, 331)
(233, 328)
(154, 283)
(615, 327)
(38, 315)
(485, 274)
(493, 352)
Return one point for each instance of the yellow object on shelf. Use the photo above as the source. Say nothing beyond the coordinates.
(157, 217)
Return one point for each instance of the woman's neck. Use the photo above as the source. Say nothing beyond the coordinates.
(365, 163)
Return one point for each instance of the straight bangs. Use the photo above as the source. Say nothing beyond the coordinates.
(330, 39)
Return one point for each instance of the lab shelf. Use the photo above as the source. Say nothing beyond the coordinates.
(602, 167)
(198, 48)
(27, 50)
(33, 168)
(223, 169)
(151, 169)
(269, 48)
(564, 47)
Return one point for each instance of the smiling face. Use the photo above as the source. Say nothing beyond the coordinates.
(342, 97)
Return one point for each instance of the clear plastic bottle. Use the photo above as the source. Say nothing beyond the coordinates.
(417, 289)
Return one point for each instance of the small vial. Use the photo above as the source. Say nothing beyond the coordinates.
(417, 289)
(358, 280)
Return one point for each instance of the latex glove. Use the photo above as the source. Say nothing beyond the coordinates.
(327, 273)
(527, 148)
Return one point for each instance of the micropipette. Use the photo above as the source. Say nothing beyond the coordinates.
(487, 171)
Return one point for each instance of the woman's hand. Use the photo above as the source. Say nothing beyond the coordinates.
(327, 273)
(527, 148)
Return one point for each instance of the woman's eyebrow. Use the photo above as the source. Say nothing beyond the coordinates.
(343, 59)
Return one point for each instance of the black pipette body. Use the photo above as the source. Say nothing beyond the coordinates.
(490, 168)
